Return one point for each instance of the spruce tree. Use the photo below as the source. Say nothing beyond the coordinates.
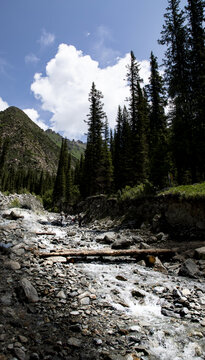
(59, 191)
(139, 120)
(177, 76)
(93, 152)
(158, 147)
(195, 13)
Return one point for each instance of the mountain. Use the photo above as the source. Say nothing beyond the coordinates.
(24, 145)
(76, 148)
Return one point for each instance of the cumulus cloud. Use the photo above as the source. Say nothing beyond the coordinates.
(34, 116)
(102, 51)
(3, 104)
(46, 38)
(31, 59)
(65, 87)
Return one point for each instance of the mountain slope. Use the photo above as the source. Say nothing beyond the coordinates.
(28, 146)
(77, 148)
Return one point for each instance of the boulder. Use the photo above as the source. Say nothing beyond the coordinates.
(121, 244)
(200, 253)
(188, 268)
(27, 291)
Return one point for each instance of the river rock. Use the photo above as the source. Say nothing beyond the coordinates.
(28, 291)
(13, 265)
(188, 268)
(121, 244)
(200, 253)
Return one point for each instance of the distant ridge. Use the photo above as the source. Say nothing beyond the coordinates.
(28, 146)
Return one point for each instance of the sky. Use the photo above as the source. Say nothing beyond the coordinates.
(52, 50)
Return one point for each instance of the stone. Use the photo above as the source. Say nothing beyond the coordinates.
(188, 268)
(19, 353)
(121, 244)
(106, 240)
(137, 239)
(61, 295)
(138, 294)
(143, 245)
(74, 342)
(85, 301)
(29, 292)
(13, 265)
(141, 263)
(55, 259)
(200, 253)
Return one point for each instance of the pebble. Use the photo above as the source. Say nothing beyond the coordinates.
(69, 309)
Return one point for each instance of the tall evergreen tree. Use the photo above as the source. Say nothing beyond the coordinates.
(195, 12)
(60, 192)
(158, 127)
(177, 75)
(138, 108)
(98, 161)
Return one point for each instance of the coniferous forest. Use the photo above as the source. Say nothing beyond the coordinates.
(159, 139)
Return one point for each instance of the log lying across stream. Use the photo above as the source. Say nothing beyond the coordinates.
(108, 252)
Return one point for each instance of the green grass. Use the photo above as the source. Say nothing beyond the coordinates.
(187, 191)
(131, 193)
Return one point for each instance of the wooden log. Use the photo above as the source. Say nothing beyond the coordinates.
(45, 233)
(108, 252)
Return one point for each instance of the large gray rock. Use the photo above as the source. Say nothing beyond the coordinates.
(189, 268)
(121, 244)
(28, 291)
(200, 253)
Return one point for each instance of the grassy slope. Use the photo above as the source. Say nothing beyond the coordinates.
(187, 191)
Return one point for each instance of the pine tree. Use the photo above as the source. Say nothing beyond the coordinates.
(59, 191)
(117, 159)
(138, 108)
(177, 76)
(197, 70)
(158, 147)
(93, 152)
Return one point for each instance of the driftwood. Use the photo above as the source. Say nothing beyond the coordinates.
(45, 233)
(108, 252)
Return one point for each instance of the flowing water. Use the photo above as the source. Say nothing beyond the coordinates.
(136, 292)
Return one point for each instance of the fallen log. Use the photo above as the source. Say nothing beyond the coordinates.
(108, 252)
(45, 233)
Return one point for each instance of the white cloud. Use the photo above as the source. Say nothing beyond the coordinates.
(34, 116)
(65, 87)
(46, 38)
(104, 53)
(3, 104)
(31, 59)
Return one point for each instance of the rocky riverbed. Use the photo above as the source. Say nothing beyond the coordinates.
(96, 308)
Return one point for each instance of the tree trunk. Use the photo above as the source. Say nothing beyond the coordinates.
(108, 252)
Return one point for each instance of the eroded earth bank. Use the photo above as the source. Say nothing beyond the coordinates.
(115, 308)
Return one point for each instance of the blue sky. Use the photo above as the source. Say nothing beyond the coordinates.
(52, 50)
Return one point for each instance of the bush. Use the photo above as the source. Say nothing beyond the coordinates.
(131, 193)
(15, 204)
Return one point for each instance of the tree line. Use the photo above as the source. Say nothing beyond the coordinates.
(160, 135)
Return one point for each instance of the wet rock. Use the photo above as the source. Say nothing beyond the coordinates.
(138, 293)
(137, 239)
(105, 240)
(200, 253)
(121, 244)
(13, 265)
(189, 268)
(12, 216)
(61, 295)
(74, 342)
(19, 353)
(143, 245)
(27, 291)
